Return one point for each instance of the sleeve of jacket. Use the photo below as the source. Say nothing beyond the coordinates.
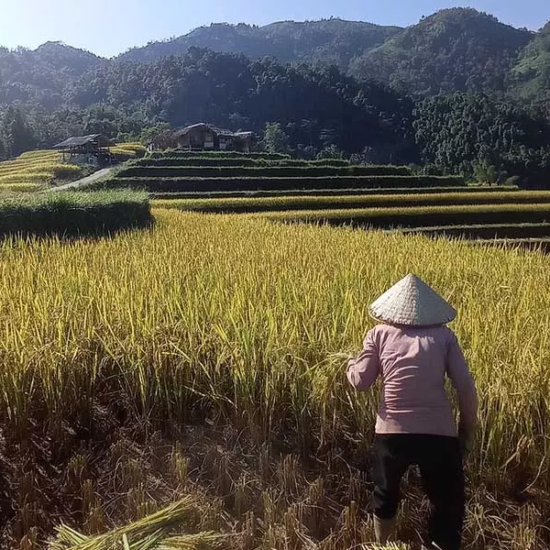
(365, 368)
(463, 383)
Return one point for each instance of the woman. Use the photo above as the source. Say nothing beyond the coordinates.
(412, 351)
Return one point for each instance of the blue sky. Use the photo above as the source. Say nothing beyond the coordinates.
(109, 27)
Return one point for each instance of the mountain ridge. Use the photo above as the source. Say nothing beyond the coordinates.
(327, 41)
(452, 50)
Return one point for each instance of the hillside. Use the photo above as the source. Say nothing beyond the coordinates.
(531, 74)
(42, 75)
(332, 41)
(457, 49)
(320, 107)
(453, 50)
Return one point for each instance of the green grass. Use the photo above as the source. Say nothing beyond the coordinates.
(312, 202)
(419, 216)
(73, 214)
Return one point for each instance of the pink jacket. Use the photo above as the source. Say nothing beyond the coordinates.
(413, 362)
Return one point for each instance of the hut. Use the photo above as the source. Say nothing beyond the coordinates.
(91, 149)
(203, 137)
(244, 141)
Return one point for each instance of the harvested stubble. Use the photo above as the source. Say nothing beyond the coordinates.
(240, 205)
(154, 532)
(245, 321)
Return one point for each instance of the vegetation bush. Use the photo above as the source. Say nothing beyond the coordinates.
(233, 184)
(237, 205)
(74, 214)
(263, 171)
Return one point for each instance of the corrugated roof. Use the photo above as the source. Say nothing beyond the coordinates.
(82, 140)
(187, 129)
(222, 132)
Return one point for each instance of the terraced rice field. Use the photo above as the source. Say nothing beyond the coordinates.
(38, 170)
(344, 202)
(333, 192)
(33, 171)
(128, 151)
(204, 358)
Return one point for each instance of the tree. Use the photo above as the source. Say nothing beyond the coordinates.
(17, 134)
(330, 152)
(2, 149)
(275, 139)
(151, 132)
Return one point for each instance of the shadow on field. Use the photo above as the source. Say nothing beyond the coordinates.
(74, 233)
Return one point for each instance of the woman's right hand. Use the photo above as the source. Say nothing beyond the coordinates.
(466, 441)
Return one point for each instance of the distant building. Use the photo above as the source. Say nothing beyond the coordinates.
(204, 137)
(92, 149)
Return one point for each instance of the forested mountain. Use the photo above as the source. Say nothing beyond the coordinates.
(459, 92)
(458, 49)
(484, 137)
(316, 106)
(328, 42)
(531, 74)
(42, 75)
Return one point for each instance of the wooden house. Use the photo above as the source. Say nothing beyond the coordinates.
(204, 137)
(91, 149)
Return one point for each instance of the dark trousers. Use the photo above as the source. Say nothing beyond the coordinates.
(439, 459)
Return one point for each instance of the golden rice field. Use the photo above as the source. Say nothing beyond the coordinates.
(239, 327)
(131, 150)
(34, 170)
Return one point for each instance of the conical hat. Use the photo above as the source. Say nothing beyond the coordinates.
(412, 302)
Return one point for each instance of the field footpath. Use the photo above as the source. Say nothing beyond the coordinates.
(78, 184)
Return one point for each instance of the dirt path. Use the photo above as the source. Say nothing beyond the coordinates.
(82, 182)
